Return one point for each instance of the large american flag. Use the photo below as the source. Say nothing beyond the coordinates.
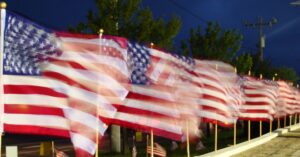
(176, 71)
(221, 96)
(60, 84)
(148, 106)
(260, 99)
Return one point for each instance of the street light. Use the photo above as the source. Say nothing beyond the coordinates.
(296, 3)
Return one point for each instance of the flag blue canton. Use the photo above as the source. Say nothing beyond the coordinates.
(139, 61)
(26, 46)
(271, 82)
(188, 62)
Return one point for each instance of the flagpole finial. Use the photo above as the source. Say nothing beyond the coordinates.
(151, 44)
(101, 31)
(3, 5)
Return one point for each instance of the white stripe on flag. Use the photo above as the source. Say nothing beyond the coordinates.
(85, 119)
(83, 143)
(50, 121)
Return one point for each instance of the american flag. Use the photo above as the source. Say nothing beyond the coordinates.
(176, 71)
(148, 105)
(61, 84)
(221, 92)
(158, 150)
(31, 105)
(297, 98)
(286, 99)
(260, 99)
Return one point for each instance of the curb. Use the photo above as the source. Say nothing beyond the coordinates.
(233, 150)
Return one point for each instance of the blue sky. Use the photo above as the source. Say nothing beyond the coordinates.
(282, 40)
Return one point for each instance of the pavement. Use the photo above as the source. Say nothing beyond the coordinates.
(285, 145)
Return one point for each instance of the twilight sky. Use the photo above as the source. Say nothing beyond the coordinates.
(282, 40)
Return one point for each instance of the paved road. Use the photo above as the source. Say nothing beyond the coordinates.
(287, 145)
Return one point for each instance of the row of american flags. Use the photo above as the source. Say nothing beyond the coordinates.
(75, 86)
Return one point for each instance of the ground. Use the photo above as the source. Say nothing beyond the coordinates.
(286, 145)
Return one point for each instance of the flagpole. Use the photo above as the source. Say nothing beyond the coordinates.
(97, 116)
(260, 122)
(249, 130)
(151, 138)
(271, 122)
(278, 119)
(216, 136)
(97, 135)
(216, 127)
(147, 142)
(234, 124)
(260, 128)
(234, 134)
(2, 25)
(187, 139)
(53, 149)
(284, 122)
(249, 122)
(152, 147)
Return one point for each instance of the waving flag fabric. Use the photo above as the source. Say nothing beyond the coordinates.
(176, 71)
(31, 105)
(297, 98)
(148, 105)
(221, 92)
(286, 99)
(92, 71)
(74, 86)
(61, 84)
(260, 99)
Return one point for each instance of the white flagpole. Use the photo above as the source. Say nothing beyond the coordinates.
(53, 148)
(187, 139)
(97, 127)
(152, 145)
(2, 25)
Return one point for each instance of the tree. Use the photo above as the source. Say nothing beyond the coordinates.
(128, 19)
(214, 43)
(287, 74)
(243, 63)
(268, 71)
(262, 67)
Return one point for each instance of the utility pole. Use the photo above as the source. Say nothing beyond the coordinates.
(261, 24)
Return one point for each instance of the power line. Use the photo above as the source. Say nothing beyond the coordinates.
(187, 11)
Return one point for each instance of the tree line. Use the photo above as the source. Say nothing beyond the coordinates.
(128, 18)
